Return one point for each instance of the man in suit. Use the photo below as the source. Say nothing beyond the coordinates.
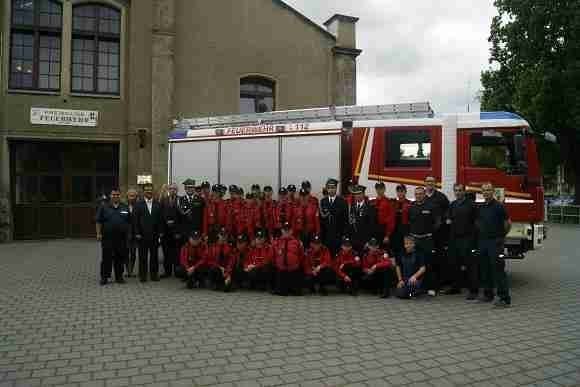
(148, 230)
(171, 241)
(333, 217)
(362, 219)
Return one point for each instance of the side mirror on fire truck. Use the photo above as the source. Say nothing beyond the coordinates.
(520, 153)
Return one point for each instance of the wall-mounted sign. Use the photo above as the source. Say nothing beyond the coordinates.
(144, 179)
(42, 116)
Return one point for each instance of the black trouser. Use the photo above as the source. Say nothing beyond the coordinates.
(148, 258)
(132, 246)
(198, 276)
(396, 242)
(326, 276)
(460, 254)
(114, 254)
(305, 238)
(355, 274)
(289, 282)
(425, 246)
(170, 246)
(493, 268)
(381, 280)
(259, 277)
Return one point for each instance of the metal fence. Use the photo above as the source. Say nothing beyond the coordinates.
(564, 214)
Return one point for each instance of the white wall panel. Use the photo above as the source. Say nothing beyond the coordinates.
(197, 160)
(250, 161)
(313, 158)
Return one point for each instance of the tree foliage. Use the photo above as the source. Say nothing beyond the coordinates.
(535, 70)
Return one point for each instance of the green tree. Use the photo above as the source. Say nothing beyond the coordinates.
(535, 71)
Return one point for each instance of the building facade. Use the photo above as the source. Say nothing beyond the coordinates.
(89, 90)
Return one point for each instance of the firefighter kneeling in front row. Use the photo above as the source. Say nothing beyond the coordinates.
(377, 270)
(193, 259)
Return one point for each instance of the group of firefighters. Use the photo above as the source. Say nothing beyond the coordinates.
(298, 242)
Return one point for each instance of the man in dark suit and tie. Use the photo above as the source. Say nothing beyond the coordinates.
(148, 230)
(333, 217)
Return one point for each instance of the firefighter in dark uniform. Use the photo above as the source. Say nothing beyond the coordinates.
(333, 217)
(362, 219)
(171, 241)
(424, 221)
(113, 226)
(191, 208)
(441, 236)
(493, 225)
(461, 222)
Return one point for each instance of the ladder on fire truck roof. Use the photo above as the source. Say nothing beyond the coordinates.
(338, 113)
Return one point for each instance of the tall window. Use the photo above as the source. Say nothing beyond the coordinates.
(96, 49)
(36, 28)
(256, 95)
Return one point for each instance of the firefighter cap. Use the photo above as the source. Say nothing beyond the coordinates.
(286, 226)
(282, 191)
(303, 192)
(216, 188)
(373, 242)
(380, 184)
(205, 184)
(357, 189)
(189, 183)
(260, 234)
(242, 238)
(306, 184)
(255, 187)
(331, 183)
(316, 239)
(195, 235)
(268, 188)
(233, 188)
(346, 241)
(291, 188)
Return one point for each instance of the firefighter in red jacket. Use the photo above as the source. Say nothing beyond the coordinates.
(348, 267)
(269, 212)
(251, 216)
(193, 258)
(305, 218)
(216, 210)
(205, 191)
(258, 265)
(219, 261)
(318, 266)
(283, 212)
(308, 188)
(236, 222)
(385, 214)
(288, 263)
(401, 227)
(377, 270)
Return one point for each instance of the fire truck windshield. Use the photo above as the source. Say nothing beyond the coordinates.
(498, 150)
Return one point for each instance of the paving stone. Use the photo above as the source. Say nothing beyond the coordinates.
(100, 336)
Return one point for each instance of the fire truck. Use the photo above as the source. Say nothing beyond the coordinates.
(395, 144)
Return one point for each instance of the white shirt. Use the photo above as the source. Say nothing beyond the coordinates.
(149, 203)
(331, 199)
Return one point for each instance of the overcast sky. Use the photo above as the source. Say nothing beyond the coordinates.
(415, 50)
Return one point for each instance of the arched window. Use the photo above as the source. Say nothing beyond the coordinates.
(35, 35)
(96, 46)
(257, 95)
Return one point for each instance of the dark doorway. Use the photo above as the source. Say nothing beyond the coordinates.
(55, 186)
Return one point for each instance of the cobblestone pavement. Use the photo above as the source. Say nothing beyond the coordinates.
(59, 327)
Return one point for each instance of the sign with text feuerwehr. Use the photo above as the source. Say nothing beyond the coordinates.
(44, 116)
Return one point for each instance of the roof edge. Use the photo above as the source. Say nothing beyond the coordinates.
(305, 19)
(341, 17)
